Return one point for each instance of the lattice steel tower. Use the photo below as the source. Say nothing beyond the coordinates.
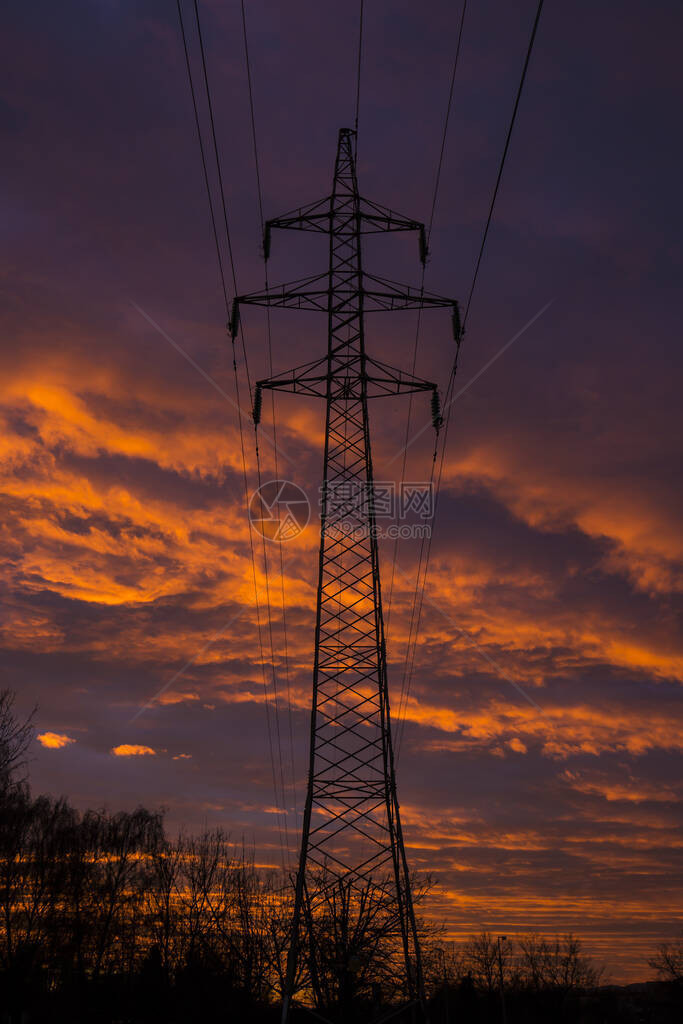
(352, 843)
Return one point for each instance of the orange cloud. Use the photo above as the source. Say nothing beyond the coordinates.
(645, 533)
(470, 619)
(177, 697)
(634, 791)
(54, 740)
(62, 415)
(132, 750)
(561, 730)
(156, 549)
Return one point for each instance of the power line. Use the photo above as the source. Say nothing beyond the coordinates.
(449, 105)
(215, 144)
(203, 156)
(219, 171)
(259, 190)
(502, 161)
(358, 71)
(227, 305)
(454, 368)
(258, 455)
(253, 124)
(437, 181)
(258, 618)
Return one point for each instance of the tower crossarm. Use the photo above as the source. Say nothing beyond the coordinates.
(379, 294)
(313, 217)
(373, 218)
(376, 218)
(305, 293)
(382, 294)
(389, 380)
(377, 381)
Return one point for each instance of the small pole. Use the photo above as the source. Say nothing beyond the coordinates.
(503, 1015)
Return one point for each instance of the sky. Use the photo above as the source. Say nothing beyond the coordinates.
(540, 766)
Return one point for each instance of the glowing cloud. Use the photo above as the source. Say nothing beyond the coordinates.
(54, 740)
(131, 750)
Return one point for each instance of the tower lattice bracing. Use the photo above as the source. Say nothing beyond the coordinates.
(352, 844)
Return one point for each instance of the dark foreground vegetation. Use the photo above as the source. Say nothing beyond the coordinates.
(104, 919)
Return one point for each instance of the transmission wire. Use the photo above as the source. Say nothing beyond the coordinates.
(502, 161)
(358, 71)
(451, 382)
(277, 473)
(215, 143)
(219, 255)
(437, 181)
(227, 307)
(246, 364)
(243, 456)
(220, 182)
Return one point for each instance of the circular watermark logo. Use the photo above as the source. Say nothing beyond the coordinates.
(279, 510)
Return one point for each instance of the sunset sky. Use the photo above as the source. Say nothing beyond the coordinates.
(540, 772)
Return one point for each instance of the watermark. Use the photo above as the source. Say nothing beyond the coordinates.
(382, 531)
(385, 499)
(280, 510)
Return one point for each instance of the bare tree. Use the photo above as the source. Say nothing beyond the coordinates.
(15, 737)
(558, 963)
(668, 961)
(161, 903)
(121, 844)
(254, 911)
(482, 959)
(359, 943)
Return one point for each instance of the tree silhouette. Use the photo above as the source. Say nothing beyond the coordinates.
(104, 918)
(668, 961)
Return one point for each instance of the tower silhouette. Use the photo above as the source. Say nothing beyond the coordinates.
(352, 843)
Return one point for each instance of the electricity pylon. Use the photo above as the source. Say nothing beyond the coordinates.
(352, 839)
